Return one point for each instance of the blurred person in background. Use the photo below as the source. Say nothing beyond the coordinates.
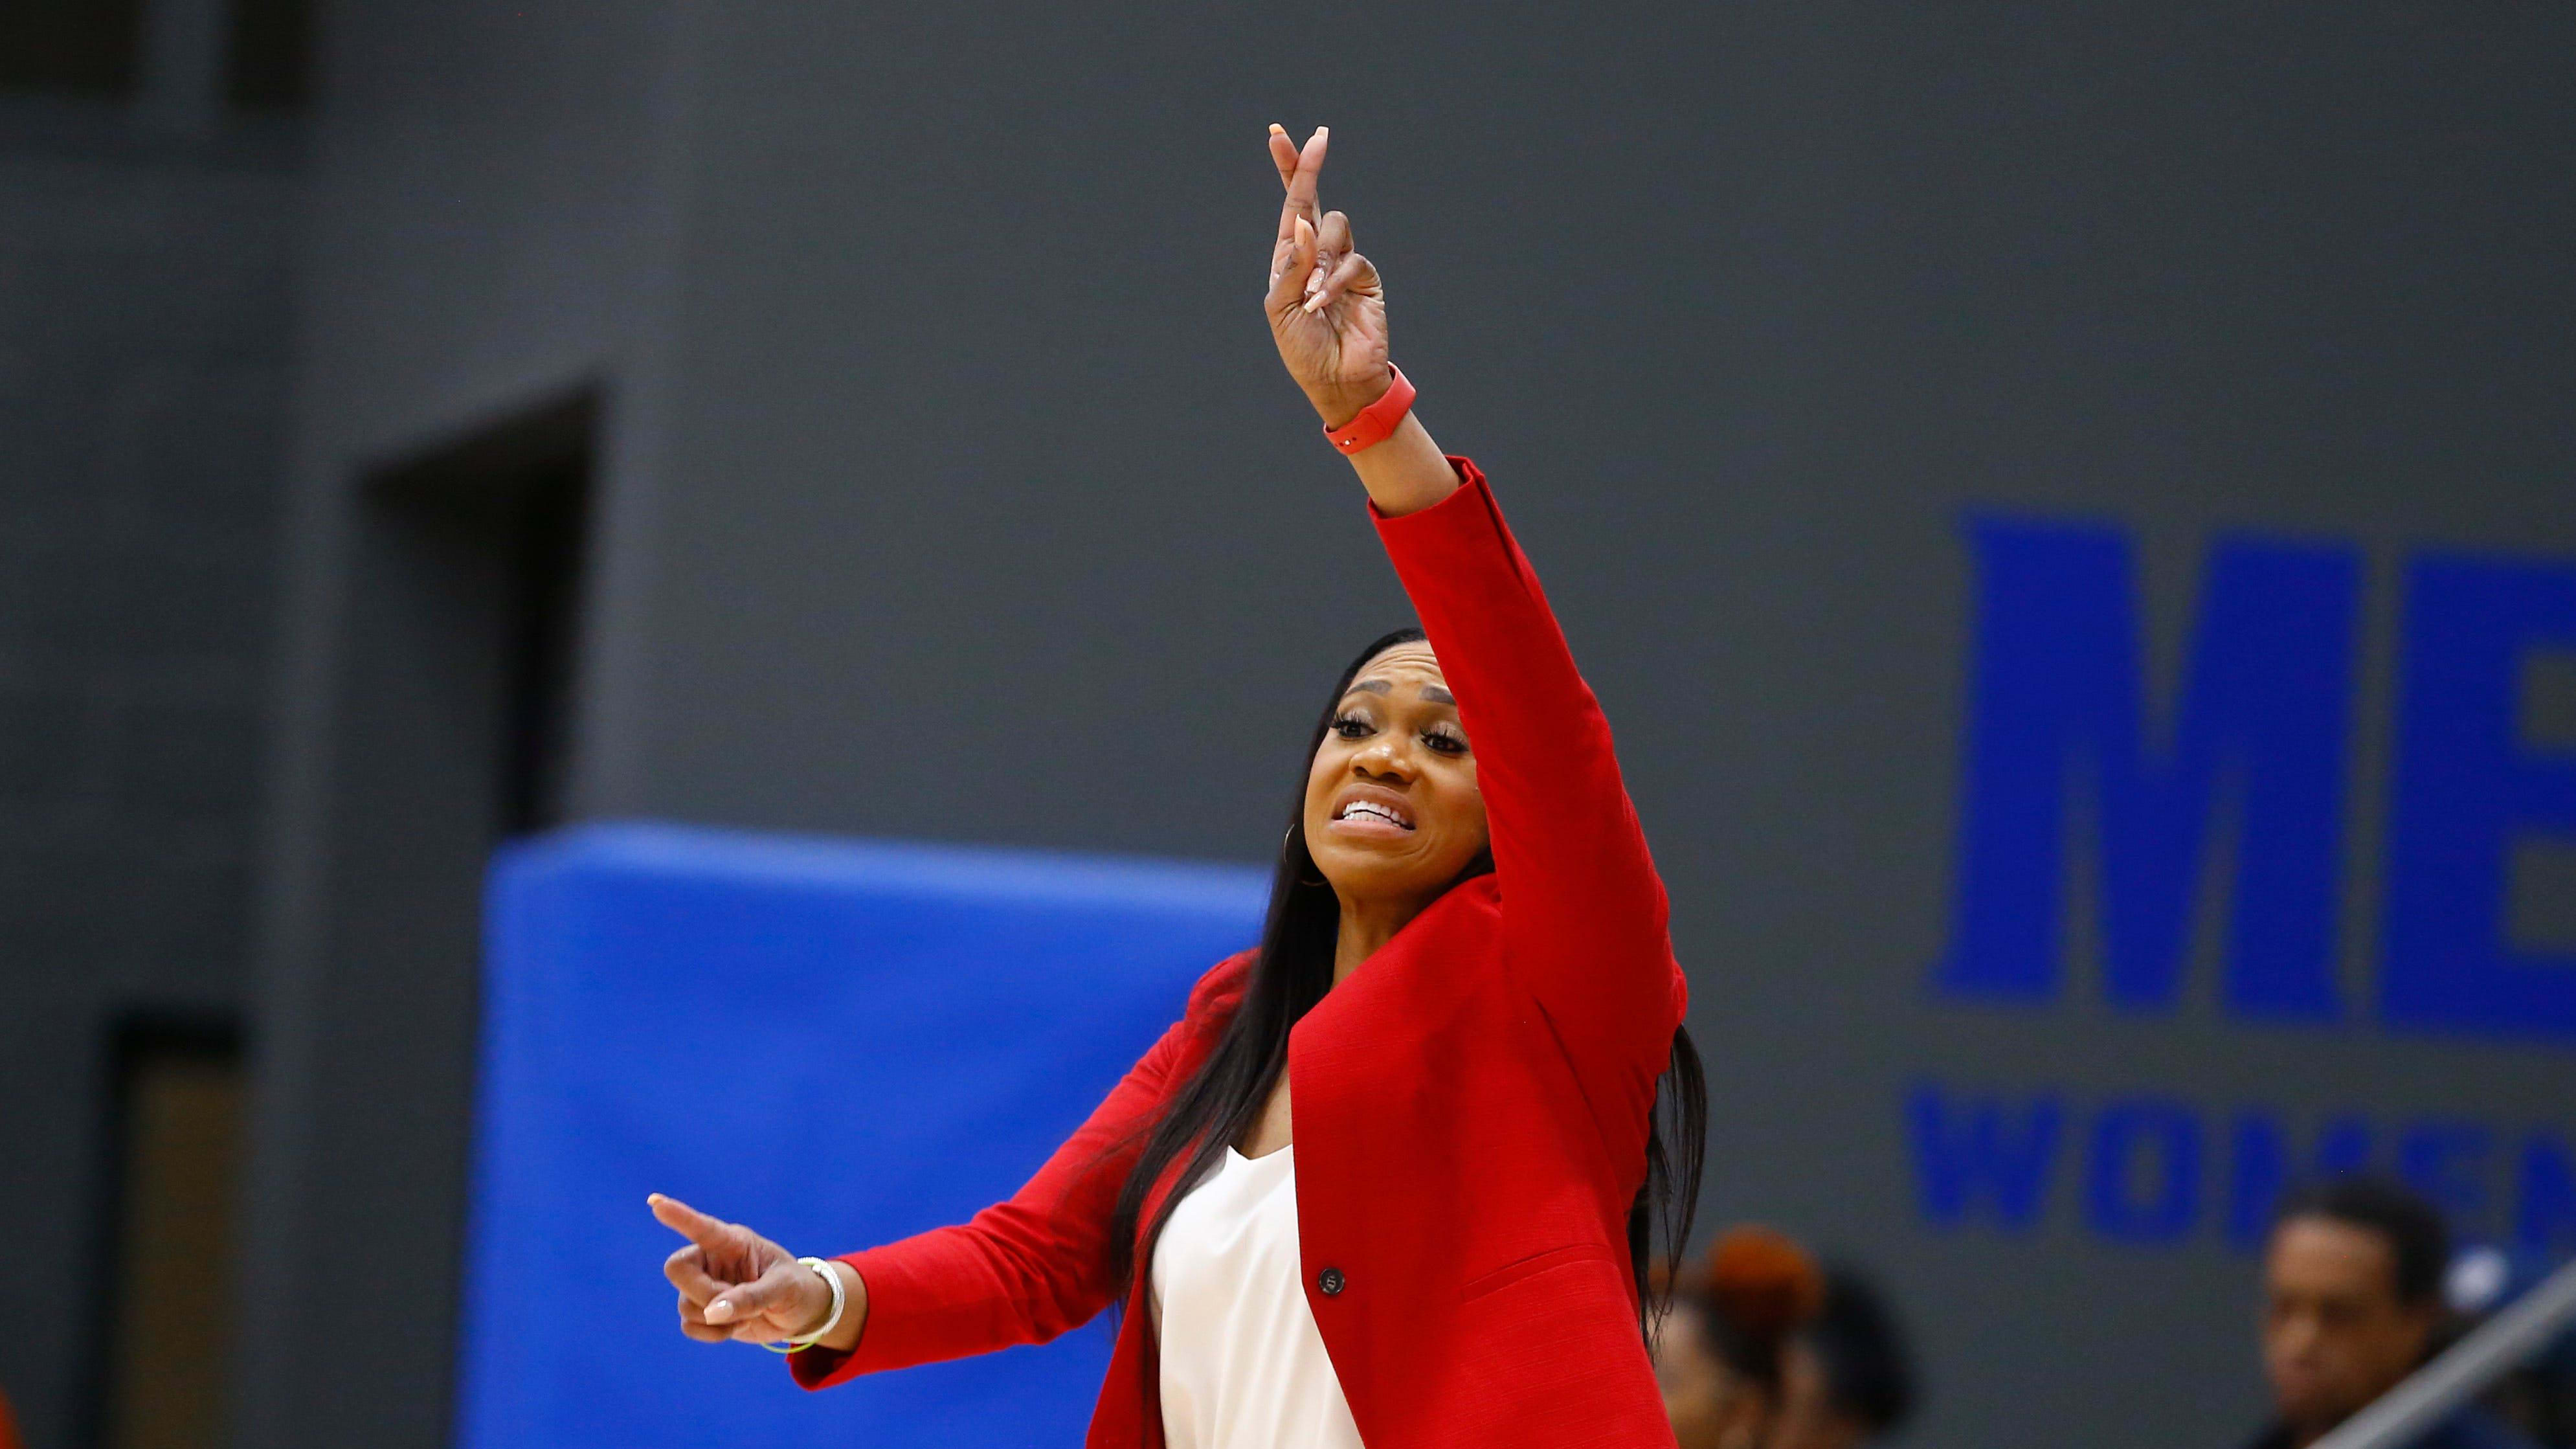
(1847, 1376)
(8, 1424)
(1723, 1349)
(2352, 1304)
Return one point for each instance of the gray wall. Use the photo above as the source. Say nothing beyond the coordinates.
(950, 490)
(499, 192)
(144, 317)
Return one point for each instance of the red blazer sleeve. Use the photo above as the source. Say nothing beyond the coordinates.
(1025, 1270)
(1583, 910)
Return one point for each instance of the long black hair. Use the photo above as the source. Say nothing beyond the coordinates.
(1291, 971)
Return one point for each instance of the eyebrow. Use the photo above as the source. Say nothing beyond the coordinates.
(1432, 692)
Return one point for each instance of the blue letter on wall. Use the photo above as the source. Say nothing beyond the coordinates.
(2465, 788)
(2058, 696)
(2166, 1134)
(2548, 1192)
(2263, 1169)
(1980, 1150)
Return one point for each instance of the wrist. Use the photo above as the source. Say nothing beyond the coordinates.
(819, 1317)
(827, 1314)
(1378, 421)
(1340, 402)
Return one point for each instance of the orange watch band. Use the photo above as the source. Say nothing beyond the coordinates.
(1378, 421)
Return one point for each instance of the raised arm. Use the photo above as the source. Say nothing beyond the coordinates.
(1586, 909)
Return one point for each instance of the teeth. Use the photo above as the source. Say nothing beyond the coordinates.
(1370, 807)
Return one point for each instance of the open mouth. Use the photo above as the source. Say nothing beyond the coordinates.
(1373, 814)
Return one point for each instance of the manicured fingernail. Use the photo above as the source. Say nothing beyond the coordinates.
(719, 1311)
(1277, 129)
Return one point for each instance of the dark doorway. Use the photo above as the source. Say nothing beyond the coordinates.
(489, 538)
(85, 46)
(271, 55)
(175, 1149)
(451, 730)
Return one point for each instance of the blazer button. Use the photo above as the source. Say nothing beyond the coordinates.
(1332, 1282)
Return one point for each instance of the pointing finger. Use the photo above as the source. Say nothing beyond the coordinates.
(688, 1222)
(1303, 182)
(1283, 154)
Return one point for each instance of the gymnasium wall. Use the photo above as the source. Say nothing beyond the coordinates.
(2052, 499)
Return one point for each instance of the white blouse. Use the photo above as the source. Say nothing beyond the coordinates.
(1242, 1364)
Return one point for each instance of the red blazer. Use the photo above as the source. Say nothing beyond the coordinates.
(1470, 1104)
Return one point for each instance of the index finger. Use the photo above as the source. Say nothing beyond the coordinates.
(1302, 185)
(687, 1221)
(1283, 154)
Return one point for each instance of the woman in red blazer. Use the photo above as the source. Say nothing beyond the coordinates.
(1459, 1011)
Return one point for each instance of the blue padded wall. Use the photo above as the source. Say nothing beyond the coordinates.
(836, 1043)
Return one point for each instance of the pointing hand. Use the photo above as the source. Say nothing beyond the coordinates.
(736, 1284)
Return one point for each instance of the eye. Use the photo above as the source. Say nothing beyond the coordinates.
(1352, 727)
(1443, 742)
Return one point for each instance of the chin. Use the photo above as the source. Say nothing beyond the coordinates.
(1356, 873)
(2311, 1408)
(1353, 872)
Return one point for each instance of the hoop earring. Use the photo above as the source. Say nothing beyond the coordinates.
(1290, 834)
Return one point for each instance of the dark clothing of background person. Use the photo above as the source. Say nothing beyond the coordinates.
(2467, 1429)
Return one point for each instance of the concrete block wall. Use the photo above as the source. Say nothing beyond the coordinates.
(145, 326)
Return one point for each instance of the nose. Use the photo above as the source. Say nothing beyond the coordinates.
(2294, 1337)
(1385, 758)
